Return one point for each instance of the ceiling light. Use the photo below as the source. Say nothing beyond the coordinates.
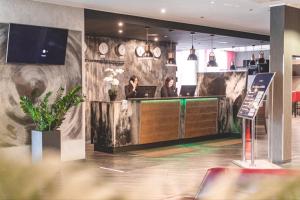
(212, 58)
(165, 36)
(223, 42)
(156, 39)
(163, 11)
(120, 24)
(120, 31)
(147, 54)
(192, 55)
(212, 2)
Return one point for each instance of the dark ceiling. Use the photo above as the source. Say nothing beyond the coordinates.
(106, 24)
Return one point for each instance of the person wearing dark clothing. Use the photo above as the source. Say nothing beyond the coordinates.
(131, 88)
(168, 90)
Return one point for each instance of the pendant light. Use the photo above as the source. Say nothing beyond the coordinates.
(252, 62)
(171, 54)
(192, 55)
(212, 58)
(261, 59)
(147, 54)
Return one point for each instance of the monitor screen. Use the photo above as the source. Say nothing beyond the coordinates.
(187, 90)
(263, 68)
(36, 44)
(146, 91)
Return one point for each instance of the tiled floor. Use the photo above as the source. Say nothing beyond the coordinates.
(175, 172)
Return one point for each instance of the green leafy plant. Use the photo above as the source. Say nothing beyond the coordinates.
(48, 117)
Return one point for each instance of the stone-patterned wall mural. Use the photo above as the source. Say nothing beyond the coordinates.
(233, 86)
(149, 72)
(37, 79)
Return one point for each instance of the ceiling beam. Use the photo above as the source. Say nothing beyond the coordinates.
(94, 14)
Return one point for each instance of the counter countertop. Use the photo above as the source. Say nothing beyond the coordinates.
(165, 98)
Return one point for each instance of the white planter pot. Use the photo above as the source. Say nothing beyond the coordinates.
(41, 142)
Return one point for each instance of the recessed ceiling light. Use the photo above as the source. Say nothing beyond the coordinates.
(223, 42)
(212, 2)
(156, 39)
(165, 36)
(120, 31)
(163, 10)
(120, 24)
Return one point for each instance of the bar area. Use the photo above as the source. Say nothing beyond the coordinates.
(174, 99)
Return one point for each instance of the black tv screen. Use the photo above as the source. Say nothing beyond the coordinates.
(36, 44)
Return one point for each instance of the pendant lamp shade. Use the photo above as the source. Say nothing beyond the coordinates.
(212, 57)
(252, 61)
(147, 54)
(171, 54)
(261, 58)
(192, 55)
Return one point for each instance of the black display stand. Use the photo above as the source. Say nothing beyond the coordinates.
(248, 112)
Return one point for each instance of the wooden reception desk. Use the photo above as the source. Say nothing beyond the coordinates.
(122, 125)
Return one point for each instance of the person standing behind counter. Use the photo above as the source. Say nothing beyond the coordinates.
(169, 90)
(131, 88)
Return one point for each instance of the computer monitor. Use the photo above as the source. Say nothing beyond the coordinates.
(146, 91)
(263, 67)
(187, 90)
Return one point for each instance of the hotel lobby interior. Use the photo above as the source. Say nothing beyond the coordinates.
(150, 100)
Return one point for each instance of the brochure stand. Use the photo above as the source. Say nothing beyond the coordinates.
(248, 112)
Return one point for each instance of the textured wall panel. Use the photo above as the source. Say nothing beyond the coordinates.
(230, 84)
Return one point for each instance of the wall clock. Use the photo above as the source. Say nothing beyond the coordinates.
(139, 51)
(156, 52)
(120, 50)
(103, 48)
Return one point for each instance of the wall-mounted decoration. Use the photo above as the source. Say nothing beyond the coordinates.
(156, 52)
(103, 49)
(139, 51)
(120, 50)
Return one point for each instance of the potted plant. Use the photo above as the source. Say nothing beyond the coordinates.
(114, 82)
(48, 118)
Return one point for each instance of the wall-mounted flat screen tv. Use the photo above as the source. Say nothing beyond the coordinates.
(36, 44)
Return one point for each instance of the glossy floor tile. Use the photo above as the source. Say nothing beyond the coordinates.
(176, 172)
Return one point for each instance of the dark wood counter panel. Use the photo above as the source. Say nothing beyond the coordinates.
(159, 121)
(201, 118)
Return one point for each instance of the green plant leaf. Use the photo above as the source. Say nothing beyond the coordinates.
(50, 117)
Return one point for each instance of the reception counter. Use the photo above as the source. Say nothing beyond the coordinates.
(121, 125)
